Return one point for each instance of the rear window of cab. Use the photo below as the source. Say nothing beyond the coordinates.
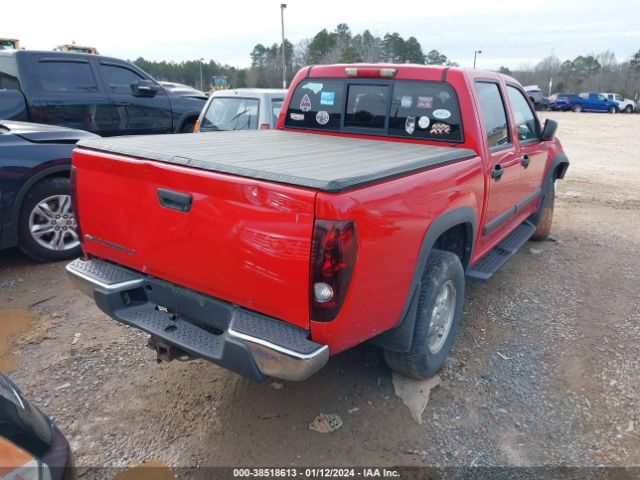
(423, 110)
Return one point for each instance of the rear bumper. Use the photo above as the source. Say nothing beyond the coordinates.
(202, 326)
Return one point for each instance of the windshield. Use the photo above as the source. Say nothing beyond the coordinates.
(423, 110)
(227, 113)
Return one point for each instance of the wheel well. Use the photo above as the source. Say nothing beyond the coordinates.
(186, 120)
(457, 240)
(560, 170)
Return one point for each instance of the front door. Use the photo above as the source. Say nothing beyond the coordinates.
(137, 114)
(504, 162)
(532, 152)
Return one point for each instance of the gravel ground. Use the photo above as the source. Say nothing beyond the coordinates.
(545, 370)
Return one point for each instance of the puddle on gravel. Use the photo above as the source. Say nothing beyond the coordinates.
(12, 322)
(150, 470)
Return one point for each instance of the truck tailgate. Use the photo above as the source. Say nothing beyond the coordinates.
(241, 240)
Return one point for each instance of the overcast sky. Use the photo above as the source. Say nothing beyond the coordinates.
(509, 32)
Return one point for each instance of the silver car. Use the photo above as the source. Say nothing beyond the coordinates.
(241, 109)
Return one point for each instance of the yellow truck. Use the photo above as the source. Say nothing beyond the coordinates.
(10, 43)
(76, 49)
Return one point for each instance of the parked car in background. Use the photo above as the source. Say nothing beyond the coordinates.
(562, 101)
(183, 90)
(99, 94)
(31, 446)
(241, 109)
(357, 218)
(539, 101)
(593, 102)
(625, 105)
(36, 212)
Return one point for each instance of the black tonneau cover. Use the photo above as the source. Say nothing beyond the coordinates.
(320, 162)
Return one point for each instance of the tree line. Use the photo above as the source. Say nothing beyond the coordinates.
(600, 72)
(590, 72)
(338, 46)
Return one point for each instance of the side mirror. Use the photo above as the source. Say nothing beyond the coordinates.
(144, 88)
(549, 130)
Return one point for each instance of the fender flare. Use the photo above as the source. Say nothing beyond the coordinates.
(10, 230)
(189, 114)
(399, 338)
(556, 171)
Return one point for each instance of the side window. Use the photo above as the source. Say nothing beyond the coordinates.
(118, 79)
(524, 118)
(317, 104)
(61, 76)
(276, 106)
(366, 106)
(493, 114)
(425, 110)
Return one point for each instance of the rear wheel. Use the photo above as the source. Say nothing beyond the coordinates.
(47, 229)
(437, 318)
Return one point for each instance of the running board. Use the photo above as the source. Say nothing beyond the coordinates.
(494, 259)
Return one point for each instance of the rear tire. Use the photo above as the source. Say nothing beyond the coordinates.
(437, 319)
(543, 228)
(47, 228)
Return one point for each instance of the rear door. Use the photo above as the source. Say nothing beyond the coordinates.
(137, 115)
(504, 161)
(70, 94)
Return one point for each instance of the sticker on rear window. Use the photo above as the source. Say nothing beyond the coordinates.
(315, 87)
(327, 98)
(322, 117)
(296, 116)
(440, 129)
(305, 103)
(410, 125)
(423, 122)
(441, 114)
(424, 102)
(406, 101)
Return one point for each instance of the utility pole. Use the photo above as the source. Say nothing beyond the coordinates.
(201, 79)
(284, 60)
(475, 55)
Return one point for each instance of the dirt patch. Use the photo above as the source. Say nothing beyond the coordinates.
(13, 321)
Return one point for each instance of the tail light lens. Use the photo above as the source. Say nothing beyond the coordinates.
(196, 126)
(73, 180)
(264, 126)
(333, 257)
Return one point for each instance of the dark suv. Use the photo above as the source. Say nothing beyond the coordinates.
(99, 94)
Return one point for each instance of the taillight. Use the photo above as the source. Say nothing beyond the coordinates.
(196, 126)
(74, 200)
(333, 257)
(264, 126)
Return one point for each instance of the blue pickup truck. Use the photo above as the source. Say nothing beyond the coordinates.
(584, 102)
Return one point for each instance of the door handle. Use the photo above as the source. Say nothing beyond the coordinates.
(174, 200)
(525, 160)
(497, 171)
(123, 104)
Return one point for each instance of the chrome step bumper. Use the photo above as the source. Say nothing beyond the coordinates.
(202, 326)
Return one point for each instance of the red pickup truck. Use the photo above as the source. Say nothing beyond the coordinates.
(357, 218)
